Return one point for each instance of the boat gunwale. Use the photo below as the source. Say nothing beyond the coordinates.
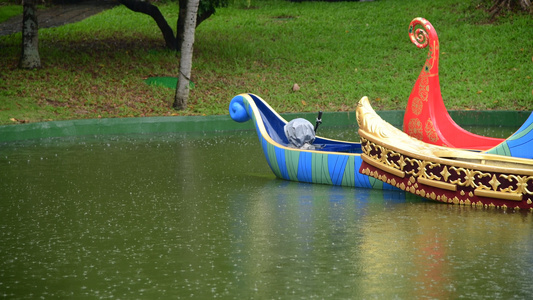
(459, 163)
(258, 119)
(369, 129)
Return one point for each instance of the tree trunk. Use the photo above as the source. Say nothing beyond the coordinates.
(498, 5)
(526, 5)
(30, 36)
(172, 42)
(180, 26)
(145, 7)
(182, 89)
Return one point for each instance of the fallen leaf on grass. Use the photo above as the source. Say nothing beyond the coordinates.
(18, 121)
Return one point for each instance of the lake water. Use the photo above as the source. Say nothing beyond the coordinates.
(201, 216)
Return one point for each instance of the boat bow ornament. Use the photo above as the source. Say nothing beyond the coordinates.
(426, 117)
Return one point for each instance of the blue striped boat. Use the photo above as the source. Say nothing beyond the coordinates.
(336, 163)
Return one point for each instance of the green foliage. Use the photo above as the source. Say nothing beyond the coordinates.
(8, 11)
(336, 52)
(211, 5)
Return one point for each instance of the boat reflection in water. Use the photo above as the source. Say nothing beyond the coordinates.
(326, 241)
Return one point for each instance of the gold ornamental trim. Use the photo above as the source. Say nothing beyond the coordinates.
(498, 195)
(465, 174)
(437, 184)
(439, 176)
(382, 166)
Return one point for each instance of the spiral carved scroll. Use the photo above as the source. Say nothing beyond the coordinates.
(237, 109)
(419, 36)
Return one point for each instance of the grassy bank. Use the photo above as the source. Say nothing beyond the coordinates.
(8, 10)
(336, 52)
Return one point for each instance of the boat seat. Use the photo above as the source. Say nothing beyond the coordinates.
(338, 148)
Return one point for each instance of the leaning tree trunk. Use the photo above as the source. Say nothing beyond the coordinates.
(172, 42)
(145, 7)
(182, 89)
(30, 36)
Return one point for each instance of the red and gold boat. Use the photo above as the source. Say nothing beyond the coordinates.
(426, 117)
(441, 173)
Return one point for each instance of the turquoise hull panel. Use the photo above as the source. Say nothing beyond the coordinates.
(520, 144)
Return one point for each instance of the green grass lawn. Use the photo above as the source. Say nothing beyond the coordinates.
(8, 11)
(336, 52)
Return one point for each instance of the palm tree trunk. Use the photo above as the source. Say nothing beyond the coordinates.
(30, 58)
(182, 89)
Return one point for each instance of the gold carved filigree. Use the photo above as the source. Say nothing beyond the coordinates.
(494, 183)
(430, 131)
(417, 106)
(468, 179)
(521, 184)
(428, 171)
(445, 173)
(415, 129)
(428, 167)
(479, 175)
(423, 88)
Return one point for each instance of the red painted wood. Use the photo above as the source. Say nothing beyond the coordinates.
(426, 117)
